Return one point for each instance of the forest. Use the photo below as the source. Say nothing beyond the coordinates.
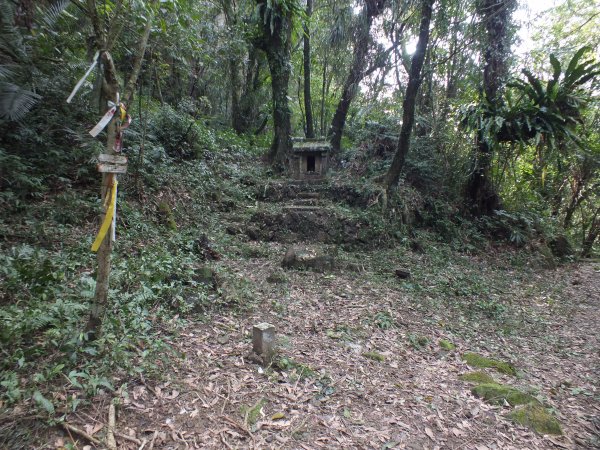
(299, 224)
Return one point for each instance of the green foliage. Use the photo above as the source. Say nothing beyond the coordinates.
(181, 135)
(535, 109)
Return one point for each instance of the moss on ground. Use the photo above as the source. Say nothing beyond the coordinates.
(477, 377)
(374, 356)
(495, 393)
(447, 345)
(537, 418)
(252, 413)
(167, 217)
(475, 360)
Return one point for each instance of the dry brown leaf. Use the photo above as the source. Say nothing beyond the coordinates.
(429, 432)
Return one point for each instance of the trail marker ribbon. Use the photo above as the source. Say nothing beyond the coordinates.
(109, 218)
(81, 81)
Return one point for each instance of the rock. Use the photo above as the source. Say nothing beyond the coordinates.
(203, 247)
(416, 246)
(537, 418)
(263, 340)
(305, 259)
(253, 233)
(402, 274)
(233, 230)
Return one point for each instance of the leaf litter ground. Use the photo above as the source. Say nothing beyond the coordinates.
(329, 393)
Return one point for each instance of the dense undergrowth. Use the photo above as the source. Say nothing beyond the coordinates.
(184, 189)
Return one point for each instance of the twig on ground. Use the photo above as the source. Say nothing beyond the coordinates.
(128, 438)
(153, 440)
(111, 443)
(81, 433)
(224, 441)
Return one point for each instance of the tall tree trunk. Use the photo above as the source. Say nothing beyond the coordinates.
(592, 235)
(371, 10)
(282, 140)
(276, 36)
(410, 97)
(495, 15)
(323, 94)
(237, 121)
(310, 130)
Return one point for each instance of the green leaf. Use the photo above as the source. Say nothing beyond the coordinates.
(43, 402)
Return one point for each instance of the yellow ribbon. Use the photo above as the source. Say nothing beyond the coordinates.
(108, 218)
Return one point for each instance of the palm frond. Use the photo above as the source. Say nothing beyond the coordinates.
(16, 102)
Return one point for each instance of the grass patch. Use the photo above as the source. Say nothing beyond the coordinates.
(477, 377)
(375, 356)
(298, 370)
(495, 394)
(446, 345)
(475, 360)
(536, 418)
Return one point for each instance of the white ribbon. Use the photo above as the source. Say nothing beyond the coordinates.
(103, 122)
(87, 74)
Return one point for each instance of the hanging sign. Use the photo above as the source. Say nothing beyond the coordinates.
(112, 163)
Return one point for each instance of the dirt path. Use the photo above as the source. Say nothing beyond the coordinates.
(331, 393)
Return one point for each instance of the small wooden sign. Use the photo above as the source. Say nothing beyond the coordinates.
(112, 163)
(112, 159)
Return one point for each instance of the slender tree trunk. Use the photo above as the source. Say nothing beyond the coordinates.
(110, 90)
(410, 97)
(371, 10)
(323, 95)
(496, 15)
(139, 55)
(98, 306)
(310, 130)
(234, 80)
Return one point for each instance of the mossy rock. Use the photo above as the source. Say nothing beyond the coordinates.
(495, 393)
(446, 345)
(536, 418)
(475, 360)
(477, 377)
(374, 356)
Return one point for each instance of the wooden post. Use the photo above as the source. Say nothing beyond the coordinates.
(263, 341)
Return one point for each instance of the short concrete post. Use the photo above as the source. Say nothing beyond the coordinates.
(263, 341)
